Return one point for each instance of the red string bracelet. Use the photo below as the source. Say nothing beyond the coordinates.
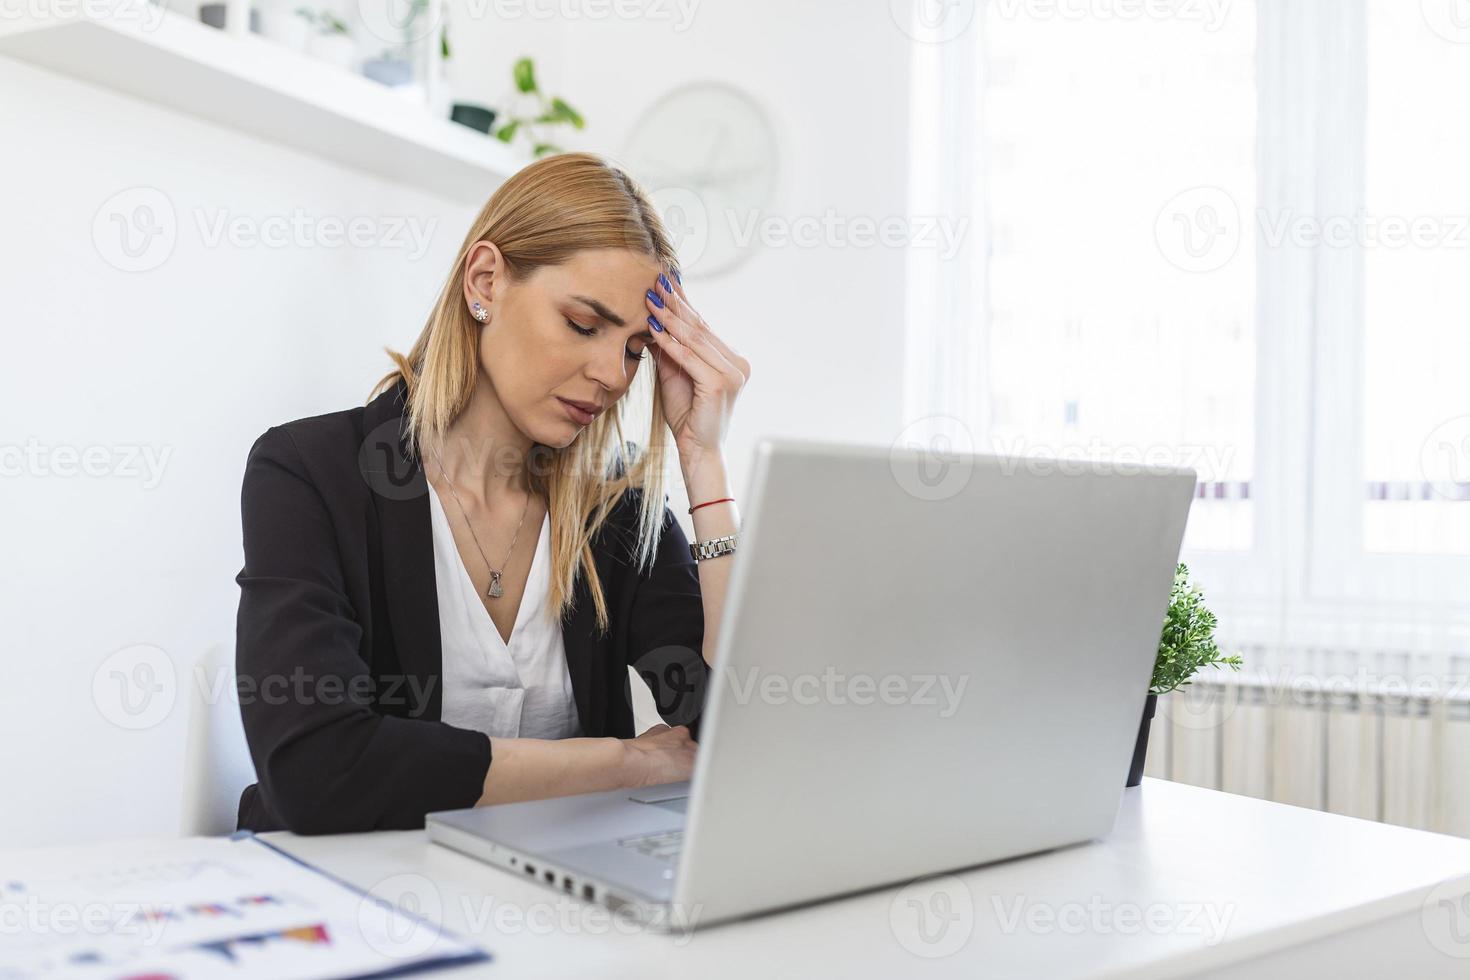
(708, 502)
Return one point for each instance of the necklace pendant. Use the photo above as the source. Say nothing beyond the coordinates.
(495, 591)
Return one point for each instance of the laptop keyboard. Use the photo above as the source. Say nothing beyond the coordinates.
(664, 845)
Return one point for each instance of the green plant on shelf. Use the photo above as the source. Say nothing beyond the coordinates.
(1187, 643)
(549, 112)
(325, 21)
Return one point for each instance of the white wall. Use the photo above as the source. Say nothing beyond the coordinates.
(193, 358)
(197, 356)
(822, 326)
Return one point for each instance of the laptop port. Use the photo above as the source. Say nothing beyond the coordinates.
(551, 877)
(587, 892)
(566, 883)
(530, 869)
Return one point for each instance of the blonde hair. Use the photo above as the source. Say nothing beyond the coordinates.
(540, 216)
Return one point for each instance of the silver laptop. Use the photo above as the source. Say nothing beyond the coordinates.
(925, 664)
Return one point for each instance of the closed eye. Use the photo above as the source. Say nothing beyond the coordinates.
(592, 331)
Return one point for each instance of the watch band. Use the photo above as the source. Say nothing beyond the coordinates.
(713, 548)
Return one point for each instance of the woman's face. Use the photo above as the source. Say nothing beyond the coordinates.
(575, 331)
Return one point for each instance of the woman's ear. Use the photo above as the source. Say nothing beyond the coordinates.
(482, 267)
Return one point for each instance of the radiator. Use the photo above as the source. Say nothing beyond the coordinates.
(1391, 754)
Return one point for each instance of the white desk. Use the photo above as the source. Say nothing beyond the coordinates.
(1191, 883)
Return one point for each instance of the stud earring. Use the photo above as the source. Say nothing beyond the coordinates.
(479, 312)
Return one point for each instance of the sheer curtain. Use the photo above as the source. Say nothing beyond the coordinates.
(1235, 237)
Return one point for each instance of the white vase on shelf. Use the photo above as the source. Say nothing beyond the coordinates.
(334, 48)
(281, 23)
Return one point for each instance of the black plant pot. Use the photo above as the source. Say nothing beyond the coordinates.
(1140, 748)
(473, 116)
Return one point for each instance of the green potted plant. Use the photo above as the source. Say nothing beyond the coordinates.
(545, 113)
(331, 41)
(480, 118)
(282, 23)
(1186, 645)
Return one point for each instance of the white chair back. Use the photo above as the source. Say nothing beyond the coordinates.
(217, 765)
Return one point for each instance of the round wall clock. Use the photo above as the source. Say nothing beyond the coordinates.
(707, 156)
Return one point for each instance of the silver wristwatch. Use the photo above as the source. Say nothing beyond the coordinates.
(713, 548)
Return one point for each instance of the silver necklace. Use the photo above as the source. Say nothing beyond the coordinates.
(495, 591)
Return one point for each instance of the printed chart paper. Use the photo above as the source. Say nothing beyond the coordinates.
(201, 908)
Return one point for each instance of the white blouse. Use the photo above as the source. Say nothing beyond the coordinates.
(516, 690)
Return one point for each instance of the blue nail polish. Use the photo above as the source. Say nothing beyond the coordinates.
(653, 322)
(678, 277)
(657, 299)
(664, 281)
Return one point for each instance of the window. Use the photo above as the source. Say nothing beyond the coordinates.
(1416, 274)
(1243, 241)
(1119, 171)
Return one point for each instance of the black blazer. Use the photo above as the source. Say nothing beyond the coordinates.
(337, 655)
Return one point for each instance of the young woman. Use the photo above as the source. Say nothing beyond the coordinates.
(443, 590)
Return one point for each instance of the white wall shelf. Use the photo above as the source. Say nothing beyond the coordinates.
(263, 88)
